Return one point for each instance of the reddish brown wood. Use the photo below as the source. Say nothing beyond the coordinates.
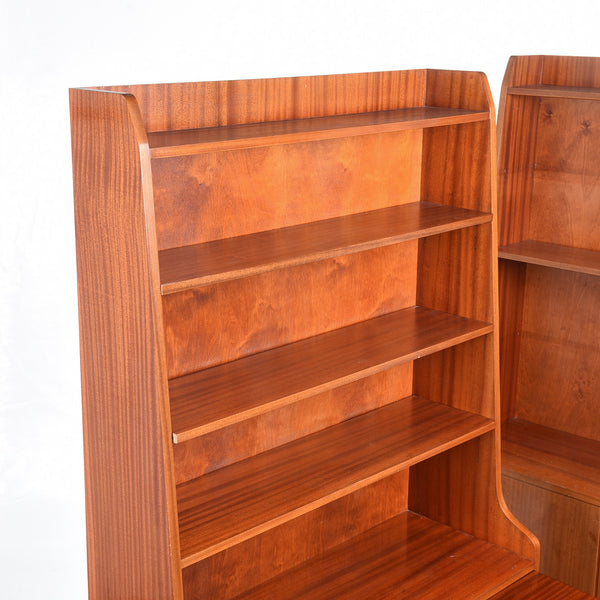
(278, 550)
(396, 561)
(132, 551)
(536, 586)
(226, 194)
(239, 441)
(556, 91)
(229, 393)
(236, 503)
(221, 260)
(554, 256)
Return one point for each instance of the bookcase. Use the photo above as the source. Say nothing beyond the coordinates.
(549, 214)
(289, 345)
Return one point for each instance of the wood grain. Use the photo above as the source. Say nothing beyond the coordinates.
(553, 255)
(568, 531)
(227, 194)
(229, 573)
(556, 91)
(133, 551)
(193, 141)
(237, 442)
(536, 586)
(555, 460)
(238, 502)
(217, 397)
(202, 264)
(396, 560)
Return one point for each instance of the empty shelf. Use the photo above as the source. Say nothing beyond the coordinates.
(228, 506)
(556, 91)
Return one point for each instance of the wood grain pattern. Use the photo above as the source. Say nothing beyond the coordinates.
(225, 394)
(568, 531)
(553, 255)
(238, 502)
(202, 264)
(558, 461)
(559, 372)
(133, 550)
(216, 324)
(237, 442)
(556, 91)
(536, 586)
(166, 107)
(572, 71)
(396, 560)
(228, 194)
(193, 141)
(229, 573)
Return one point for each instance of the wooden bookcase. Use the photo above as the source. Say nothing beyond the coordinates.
(288, 314)
(549, 214)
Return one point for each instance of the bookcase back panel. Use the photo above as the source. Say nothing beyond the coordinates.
(559, 352)
(223, 322)
(246, 565)
(237, 442)
(225, 194)
(165, 107)
(565, 207)
(570, 71)
(456, 166)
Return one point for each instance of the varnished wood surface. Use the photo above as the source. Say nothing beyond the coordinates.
(238, 502)
(559, 461)
(553, 255)
(568, 531)
(230, 573)
(405, 558)
(217, 397)
(193, 141)
(220, 260)
(556, 91)
(536, 586)
(133, 551)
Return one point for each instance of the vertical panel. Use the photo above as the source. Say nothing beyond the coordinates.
(132, 538)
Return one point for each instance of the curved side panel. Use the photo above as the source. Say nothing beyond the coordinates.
(132, 541)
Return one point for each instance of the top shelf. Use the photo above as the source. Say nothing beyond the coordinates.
(164, 144)
(556, 91)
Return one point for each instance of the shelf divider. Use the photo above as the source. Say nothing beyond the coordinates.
(233, 504)
(214, 398)
(556, 91)
(221, 260)
(553, 255)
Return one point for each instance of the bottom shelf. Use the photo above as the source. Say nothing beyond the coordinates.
(536, 586)
(408, 556)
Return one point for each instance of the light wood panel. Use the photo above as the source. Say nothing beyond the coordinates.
(227, 194)
(278, 550)
(221, 260)
(229, 393)
(568, 531)
(238, 502)
(396, 560)
(553, 255)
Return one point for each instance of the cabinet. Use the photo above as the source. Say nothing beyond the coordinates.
(549, 214)
(287, 293)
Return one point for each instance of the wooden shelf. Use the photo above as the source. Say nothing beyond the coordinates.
(536, 586)
(193, 141)
(214, 398)
(553, 255)
(221, 260)
(556, 460)
(240, 501)
(556, 91)
(404, 558)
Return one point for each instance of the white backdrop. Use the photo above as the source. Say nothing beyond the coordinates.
(47, 47)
